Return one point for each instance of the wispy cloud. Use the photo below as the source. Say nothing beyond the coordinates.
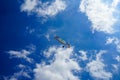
(100, 14)
(83, 55)
(21, 66)
(49, 33)
(115, 67)
(109, 40)
(29, 30)
(60, 69)
(17, 75)
(96, 68)
(115, 41)
(45, 9)
(23, 54)
(118, 58)
(23, 73)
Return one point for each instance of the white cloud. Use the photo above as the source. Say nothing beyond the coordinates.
(49, 33)
(99, 55)
(23, 72)
(100, 14)
(20, 54)
(83, 55)
(29, 5)
(21, 66)
(48, 37)
(51, 51)
(43, 9)
(31, 48)
(109, 40)
(30, 30)
(17, 75)
(115, 67)
(60, 68)
(96, 68)
(118, 58)
(115, 3)
(115, 41)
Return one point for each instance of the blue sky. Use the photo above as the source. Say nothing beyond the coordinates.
(28, 50)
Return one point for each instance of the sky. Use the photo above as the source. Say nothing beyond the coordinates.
(28, 50)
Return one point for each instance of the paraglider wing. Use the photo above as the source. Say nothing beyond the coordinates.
(62, 41)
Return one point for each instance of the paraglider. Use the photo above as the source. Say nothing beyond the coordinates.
(62, 41)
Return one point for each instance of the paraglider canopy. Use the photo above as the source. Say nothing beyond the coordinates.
(62, 41)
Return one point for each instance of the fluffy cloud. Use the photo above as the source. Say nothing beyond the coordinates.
(60, 69)
(96, 68)
(29, 5)
(43, 9)
(100, 14)
(20, 54)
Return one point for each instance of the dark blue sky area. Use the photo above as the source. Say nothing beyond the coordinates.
(13, 25)
(12, 30)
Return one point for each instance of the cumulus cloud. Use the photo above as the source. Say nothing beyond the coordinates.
(96, 68)
(43, 8)
(60, 69)
(100, 14)
(20, 54)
